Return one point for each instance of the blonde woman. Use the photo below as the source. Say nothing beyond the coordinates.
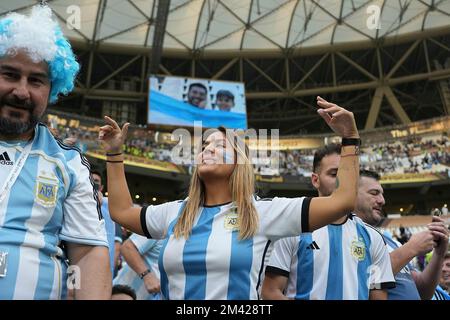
(216, 241)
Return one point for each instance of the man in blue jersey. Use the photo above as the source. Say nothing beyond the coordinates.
(141, 271)
(47, 200)
(410, 283)
(345, 260)
(112, 228)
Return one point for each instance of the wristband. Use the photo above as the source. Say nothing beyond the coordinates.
(351, 142)
(113, 154)
(143, 274)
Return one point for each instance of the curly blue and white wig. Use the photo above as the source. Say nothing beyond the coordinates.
(42, 39)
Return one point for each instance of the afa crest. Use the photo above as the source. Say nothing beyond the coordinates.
(231, 221)
(358, 250)
(46, 190)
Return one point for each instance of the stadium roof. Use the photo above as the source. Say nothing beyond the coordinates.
(211, 26)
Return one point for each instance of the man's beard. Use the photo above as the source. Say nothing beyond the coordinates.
(12, 128)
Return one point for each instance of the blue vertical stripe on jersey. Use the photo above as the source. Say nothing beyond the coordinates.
(14, 234)
(240, 267)
(305, 267)
(194, 255)
(364, 265)
(335, 264)
(45, 278)
(163, 275)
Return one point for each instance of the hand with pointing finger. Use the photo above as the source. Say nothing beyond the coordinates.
(340, 120)
(111, 136)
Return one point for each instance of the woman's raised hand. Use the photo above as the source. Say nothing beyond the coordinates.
(111, 136)
(340, 120)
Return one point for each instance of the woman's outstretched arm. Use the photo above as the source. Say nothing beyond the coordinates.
(120, 203)
(325, 210)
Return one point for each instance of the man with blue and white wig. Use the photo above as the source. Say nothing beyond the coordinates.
(47, 200)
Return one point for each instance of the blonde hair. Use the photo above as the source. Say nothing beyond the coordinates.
(242, 186)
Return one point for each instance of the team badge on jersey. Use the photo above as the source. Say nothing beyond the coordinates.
(231, 221)
(46, 190)
(358, 250)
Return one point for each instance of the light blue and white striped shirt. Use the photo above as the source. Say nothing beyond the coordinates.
(149, 250)
(52, 199)
(213, 263)
(405, 288)
(335, 262)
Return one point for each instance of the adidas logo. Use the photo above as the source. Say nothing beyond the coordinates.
(5, 160)
(313, 246)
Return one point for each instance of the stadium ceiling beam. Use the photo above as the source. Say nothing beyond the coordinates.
(379, 63)
(313, 91)
(259, 75)
(356, 66)
(143, 73)
(396, 106)
(187, 53)
(333, 68)
(443, 46)
(106, 63)
(402, 59)
(224, 69)
(374, 108)
(123, 67)
(158, 35)
(300, 101)
(99, 17)
(164, 69)
(111, 93)
(434, 75)
(425, 52)
(287, 73)
(241, 70)
(265, 75)
(306, 76)
(408, 96)
(294, 117)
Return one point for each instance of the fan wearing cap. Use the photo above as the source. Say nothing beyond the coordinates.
(47, 200)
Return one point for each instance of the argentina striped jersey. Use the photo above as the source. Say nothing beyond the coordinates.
(335, 262)
(149, 250)
(213, 263)
(405, 288)
(51, 200)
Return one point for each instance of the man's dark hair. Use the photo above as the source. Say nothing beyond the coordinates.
(120, 288)
(197, 84)
(97, 173)
(332, 148)
(369, 174)
(96, 187)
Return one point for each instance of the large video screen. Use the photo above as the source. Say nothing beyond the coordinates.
(181, 101)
